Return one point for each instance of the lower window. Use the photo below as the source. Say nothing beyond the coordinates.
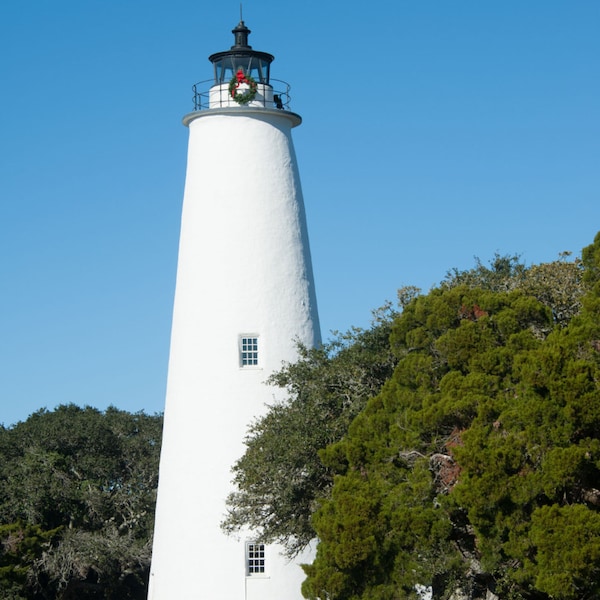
(255, 558)
(248, 350)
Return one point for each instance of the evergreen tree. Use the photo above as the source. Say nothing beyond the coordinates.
(477, 467)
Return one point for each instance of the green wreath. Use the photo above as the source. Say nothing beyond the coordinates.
(237, 80)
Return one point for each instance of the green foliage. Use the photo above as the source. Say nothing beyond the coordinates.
(567, 542)
(20, 546)
(445, 434)
(504, 274)
(280, 477)
(477, 466)
(381, 535)
(558, 285)
(84, 482)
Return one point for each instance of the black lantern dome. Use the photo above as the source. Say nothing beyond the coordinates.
(241, 56)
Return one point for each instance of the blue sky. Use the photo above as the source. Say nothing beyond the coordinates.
(434, 131)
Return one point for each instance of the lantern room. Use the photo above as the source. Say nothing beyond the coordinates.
(242, 78)
(241, 56)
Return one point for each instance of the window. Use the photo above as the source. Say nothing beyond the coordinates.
(255, 558)
(248, 350)
(227, 66)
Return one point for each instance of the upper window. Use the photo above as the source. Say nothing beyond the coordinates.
(229, 65)
(255, 558)
(248, 350)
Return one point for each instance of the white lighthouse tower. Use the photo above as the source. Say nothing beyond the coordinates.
(244, 296)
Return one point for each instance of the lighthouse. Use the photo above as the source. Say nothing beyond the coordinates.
(244, 297)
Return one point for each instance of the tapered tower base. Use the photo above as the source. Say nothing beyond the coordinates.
(244, 298)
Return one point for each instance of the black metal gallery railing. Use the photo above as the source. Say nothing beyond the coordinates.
(208, 95)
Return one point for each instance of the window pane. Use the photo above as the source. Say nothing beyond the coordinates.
(255, 558)
(248, 351)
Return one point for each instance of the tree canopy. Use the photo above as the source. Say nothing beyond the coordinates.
(471, 466)
(451, 449)
(280, 477)
(77, 494)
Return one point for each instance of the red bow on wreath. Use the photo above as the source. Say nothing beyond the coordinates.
(241, 77)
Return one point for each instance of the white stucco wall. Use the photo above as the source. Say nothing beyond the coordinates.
(244, 268)
(220, 96)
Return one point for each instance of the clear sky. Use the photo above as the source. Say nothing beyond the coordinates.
(434, 131)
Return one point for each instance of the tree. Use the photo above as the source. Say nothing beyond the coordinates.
(21, 545)
(374, 470)
(85, 482)
(556, 284)
(477, 466)
(280, 477)
(505, 273)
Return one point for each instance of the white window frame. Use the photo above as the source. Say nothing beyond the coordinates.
(249, 350)
(256, 559)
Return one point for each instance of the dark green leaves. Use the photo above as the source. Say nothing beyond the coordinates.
(475, 469)
(461, 454)
(280, 478)
(81, 485)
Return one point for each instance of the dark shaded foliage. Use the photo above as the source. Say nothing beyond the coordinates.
(477, 466)
(80, 485)
(281, 477)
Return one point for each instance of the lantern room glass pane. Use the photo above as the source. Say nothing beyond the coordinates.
(228, 66)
